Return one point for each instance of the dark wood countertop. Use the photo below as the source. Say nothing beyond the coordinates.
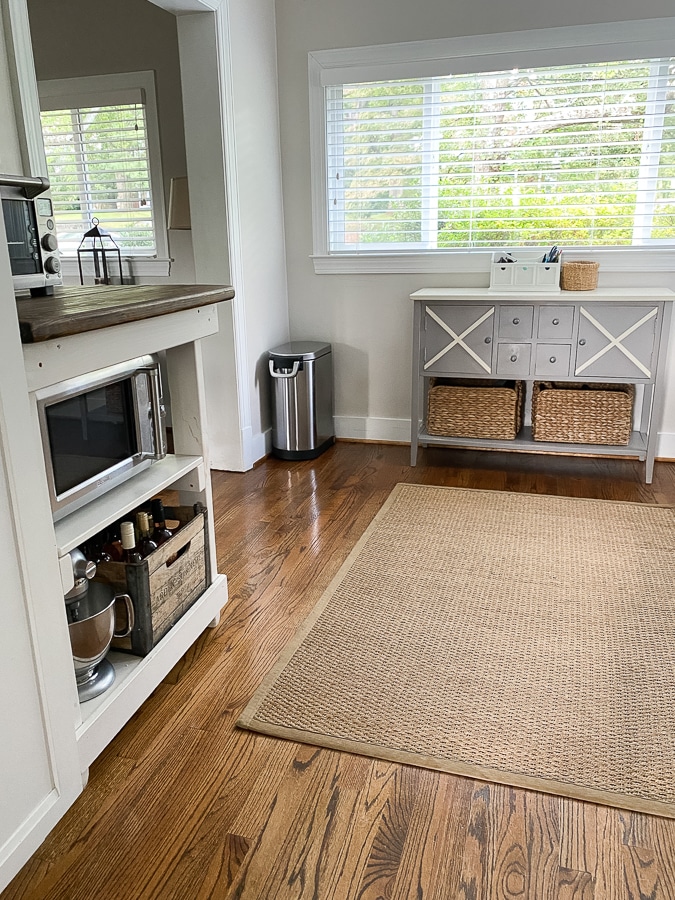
(74, 310)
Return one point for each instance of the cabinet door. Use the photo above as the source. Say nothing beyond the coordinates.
(616, 341)
(40, 776)
(457, 340)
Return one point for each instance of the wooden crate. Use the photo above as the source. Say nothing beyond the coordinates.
(166, 583)
(475, 408)
(576, 413)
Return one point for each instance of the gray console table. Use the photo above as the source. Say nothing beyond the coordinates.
(615, 335)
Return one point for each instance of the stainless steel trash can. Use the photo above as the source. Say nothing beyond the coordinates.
(302, 399)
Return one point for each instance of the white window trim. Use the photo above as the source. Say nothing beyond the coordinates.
(643, 39)
(93, 91)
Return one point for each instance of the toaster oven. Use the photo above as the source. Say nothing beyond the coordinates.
(28, 213)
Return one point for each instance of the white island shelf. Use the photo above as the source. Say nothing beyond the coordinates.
(75, 528)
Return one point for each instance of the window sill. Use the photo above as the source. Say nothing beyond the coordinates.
(457, 262)
(132, 265)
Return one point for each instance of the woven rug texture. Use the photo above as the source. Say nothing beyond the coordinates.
(518, 638)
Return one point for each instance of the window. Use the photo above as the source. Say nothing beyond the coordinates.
(579, 154)
(101, 144)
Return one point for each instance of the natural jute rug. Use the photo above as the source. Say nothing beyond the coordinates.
(517, 638)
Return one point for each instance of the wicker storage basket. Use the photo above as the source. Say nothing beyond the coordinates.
(475, 408)
(581, 275)
(567, 412)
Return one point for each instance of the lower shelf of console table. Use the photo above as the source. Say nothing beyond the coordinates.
(636, 447)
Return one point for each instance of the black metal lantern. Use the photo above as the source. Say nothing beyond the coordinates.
(99, 245)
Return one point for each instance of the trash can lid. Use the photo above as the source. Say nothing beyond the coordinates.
(301, 350)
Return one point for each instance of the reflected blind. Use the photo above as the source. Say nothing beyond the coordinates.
(577, 156)
(98, 164)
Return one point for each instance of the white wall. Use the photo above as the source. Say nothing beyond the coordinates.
(81, 38)
(368, 317)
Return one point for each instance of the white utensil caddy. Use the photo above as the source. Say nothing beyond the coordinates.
(526, 273)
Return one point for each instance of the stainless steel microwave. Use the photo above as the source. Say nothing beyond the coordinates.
(100, 429)
(31, 234)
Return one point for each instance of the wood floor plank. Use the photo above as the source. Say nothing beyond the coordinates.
(578, 833)
(184, 806)
(641, 874)
(347, 857)
(574, 885)
(430, 864)
(210, 848)
(284, 858)
(379, 875)
(226, 860)
(662, 833)
(495, 863)
(609, 875)
(636, 828)
(542, 837)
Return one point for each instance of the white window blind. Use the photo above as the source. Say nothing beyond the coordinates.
(98, 163)
(579, 155)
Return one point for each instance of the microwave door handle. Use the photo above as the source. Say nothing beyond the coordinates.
(157, 413)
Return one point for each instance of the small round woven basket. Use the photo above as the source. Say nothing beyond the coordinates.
(581, 275)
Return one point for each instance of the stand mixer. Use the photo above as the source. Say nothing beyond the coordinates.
(90, 610)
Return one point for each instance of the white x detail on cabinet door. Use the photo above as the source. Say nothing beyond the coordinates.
(616, 341)
(458, 338)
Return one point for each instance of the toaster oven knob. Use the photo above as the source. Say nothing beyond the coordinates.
(49, 242)
(52, 265)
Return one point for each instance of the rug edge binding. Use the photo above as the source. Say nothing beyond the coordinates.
(612, 799)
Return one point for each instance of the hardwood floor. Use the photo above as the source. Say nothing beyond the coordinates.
(183, 805)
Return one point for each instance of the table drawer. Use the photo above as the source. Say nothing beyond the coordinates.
(516, 322)
(555, 323)
(552, 360)
(513, 360)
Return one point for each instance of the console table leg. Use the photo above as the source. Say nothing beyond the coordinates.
(649, 470)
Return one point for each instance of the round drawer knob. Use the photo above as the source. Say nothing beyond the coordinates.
(516, 321)
(582, 342)
(552, 359)
(514, 358)
(488, 340)
(556, 321)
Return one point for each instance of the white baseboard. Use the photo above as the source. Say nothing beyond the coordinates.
(370, 428)
(260, 446)
(665, 445)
